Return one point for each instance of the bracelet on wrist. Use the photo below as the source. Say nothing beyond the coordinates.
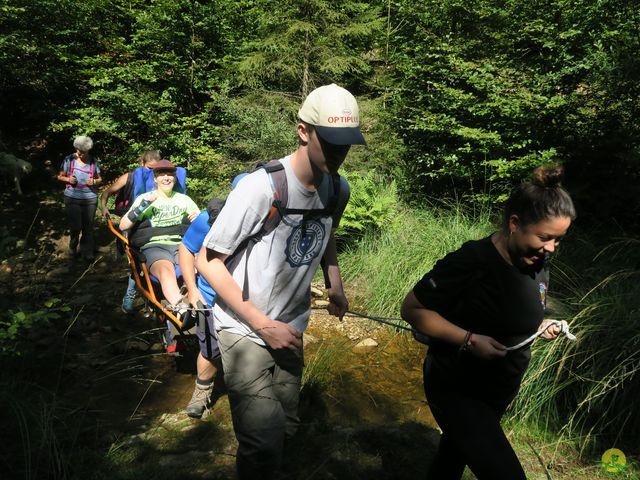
(466, 344)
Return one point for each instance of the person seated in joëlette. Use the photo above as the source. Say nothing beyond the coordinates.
(156, 222)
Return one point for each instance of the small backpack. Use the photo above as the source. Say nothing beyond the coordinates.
(124, 197)
(143, 232)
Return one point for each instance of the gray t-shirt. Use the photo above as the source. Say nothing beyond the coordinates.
(281, 264)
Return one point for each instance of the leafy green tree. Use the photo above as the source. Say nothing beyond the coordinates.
(487, 90)
(160, 85)
(303, 44)
(40, 44)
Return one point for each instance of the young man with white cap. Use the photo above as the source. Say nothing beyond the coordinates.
(264, 290)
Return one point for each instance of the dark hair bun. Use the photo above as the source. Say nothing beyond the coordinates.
(548, 177)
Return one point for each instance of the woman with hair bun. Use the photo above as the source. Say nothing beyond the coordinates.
(477, 301)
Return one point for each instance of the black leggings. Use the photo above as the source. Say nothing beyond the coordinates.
(81, 214)
(471, 433)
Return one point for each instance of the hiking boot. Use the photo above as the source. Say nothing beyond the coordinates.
(200, 401)
(128, 303)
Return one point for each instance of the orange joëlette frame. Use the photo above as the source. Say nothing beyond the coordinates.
(145, 288)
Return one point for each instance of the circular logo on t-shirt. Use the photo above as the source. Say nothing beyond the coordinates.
(305, 243)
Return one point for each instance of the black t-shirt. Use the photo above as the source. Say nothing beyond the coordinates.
(476, 289)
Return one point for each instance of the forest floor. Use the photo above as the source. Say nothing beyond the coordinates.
(363, 410)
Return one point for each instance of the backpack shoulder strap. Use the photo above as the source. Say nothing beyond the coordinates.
(213, 209)
(181, 180)
(332, 205)
(92, 167)
(140, 179)
(68, 168)
(128, 186)
(278, 180)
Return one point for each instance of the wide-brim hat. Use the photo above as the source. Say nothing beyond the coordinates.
(163, 165)
(334, 113)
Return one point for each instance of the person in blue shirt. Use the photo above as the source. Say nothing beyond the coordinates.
(200, 292)
(200, 295)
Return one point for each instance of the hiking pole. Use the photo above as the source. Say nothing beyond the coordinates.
(420, 337)
(385, 320)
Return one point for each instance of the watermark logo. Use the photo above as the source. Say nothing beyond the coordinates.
(614, 461)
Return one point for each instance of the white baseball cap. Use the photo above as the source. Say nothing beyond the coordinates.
(334, 113)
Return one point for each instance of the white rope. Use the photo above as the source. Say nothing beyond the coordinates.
(564, 328)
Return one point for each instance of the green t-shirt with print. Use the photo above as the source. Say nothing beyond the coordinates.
(166, 212)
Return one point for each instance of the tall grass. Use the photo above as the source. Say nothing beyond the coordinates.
(31, 427)
(383, 267)
(589, 389)
(320, 366)
(586, 390)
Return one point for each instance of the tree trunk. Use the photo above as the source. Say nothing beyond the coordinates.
(305, 67)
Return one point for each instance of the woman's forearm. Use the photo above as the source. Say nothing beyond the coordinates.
(430, 322)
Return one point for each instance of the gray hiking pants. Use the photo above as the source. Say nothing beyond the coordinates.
(81, 214)
(264, 388)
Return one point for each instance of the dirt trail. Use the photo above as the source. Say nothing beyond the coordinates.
(112, 366)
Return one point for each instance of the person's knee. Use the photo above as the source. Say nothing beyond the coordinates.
(255, 407)
(164, 270)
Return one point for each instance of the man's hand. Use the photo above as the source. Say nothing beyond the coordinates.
(280, 335)
(486, 347)
(551, 331)
(338, 303)
(194, 297)
(192, 216)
